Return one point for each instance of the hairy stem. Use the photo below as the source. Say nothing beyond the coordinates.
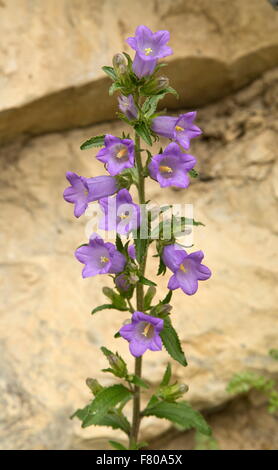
(139, 301)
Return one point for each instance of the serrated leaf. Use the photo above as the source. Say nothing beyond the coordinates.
(171, 342)
(142, 129)
(119, 244)
(167, 375)
(104, 401)
(108, 307)
(97, 141)
(146, 281)
(110, 72)
(113, 419)
(180, 413)
(117, 445)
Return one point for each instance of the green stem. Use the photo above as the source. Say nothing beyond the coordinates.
(139, 302)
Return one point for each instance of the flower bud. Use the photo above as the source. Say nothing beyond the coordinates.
(94, 386)
(119, 64)
(162, 82)
(117, 364)
(173, 392)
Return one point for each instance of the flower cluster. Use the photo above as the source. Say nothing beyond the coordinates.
(120, 156)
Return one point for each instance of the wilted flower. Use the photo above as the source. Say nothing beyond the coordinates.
(171, 167)
(127, 106)
(143, 333)
(100, 257)
(84, 190)
(120, 213)
(187, 269)
(117, 154)
(149, 48)
(181, 128)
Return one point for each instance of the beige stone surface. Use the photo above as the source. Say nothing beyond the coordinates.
(51, 54)
(50, 343)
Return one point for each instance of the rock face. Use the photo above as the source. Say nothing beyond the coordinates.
(51, 57)
(49, 341)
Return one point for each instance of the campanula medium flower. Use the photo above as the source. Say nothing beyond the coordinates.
(187, 268)
(149, 48)
(100, 257)
(127, 106)
(118, 154)
(120, 213)
(171, 167)
(84, 190)
(181, 128)
(143, 333)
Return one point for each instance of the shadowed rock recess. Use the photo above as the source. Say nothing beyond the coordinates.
(51, 80)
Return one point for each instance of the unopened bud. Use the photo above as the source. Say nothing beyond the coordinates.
(133, 278)
(119, 64)
(173, 392)
(94, 386)
(117, 364)
(161, 83)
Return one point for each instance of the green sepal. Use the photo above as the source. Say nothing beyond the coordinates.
(142, 129)
(146, 281)
(167, 375)
(167, 298)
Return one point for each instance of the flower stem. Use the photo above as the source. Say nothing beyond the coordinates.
(139, 302)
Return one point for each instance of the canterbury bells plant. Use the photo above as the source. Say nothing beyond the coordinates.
(128, 163)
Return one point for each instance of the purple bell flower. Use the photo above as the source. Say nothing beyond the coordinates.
(131, 251)
(187, 269)
(100, 257)
(181, 128)
(149, 48)
(127, 106)
(171, 167)
(84, 190)
(118, 154)
(120, 213)
(122, 282)
(143, 333)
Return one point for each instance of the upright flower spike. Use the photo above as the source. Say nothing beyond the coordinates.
(120, 213)
(127, 106)
(149, 48)
(143, 333)
(171, 167)
(100, 257)
(118, 154)
(181, 128)
(84, 190)
(187, 269)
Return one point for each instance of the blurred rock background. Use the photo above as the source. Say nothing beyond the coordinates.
(53, 96)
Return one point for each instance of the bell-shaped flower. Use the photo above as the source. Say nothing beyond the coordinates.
(120, 213)
(180, 129)
(118, 154)
(127, 106)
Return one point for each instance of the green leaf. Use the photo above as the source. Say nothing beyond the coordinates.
(167, 298)
(134, 379)
(140, 246)
(274, 353)
(180, 413)
(150, 105)
(108, 307)
(97, 141)
(146, 281)
(171, 90)
(142, 129)
(110, 72)
(103, 402)
(171, 342)
(129, 60)
(119, 244)
(193, 173)
(113, 419)
(116, 300)
(245, 381)
(167, 375)
(203, 442)
(117, 445)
